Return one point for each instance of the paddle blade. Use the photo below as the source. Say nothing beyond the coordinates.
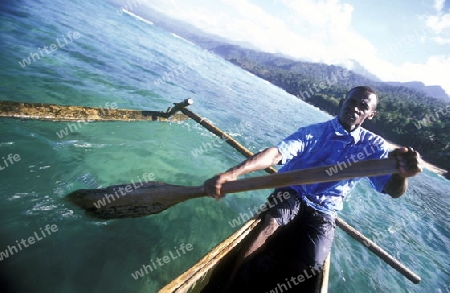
(130, 200)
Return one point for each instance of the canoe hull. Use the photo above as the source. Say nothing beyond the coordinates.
(212, 271)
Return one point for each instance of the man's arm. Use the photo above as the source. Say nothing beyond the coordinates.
(408, 165)
(262, 160)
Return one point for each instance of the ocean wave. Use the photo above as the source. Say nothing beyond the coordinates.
(181, 38)
(67, 213)
(36, 168)
(44, 207)
(83, 145)
(136, 16)
(234, 134)
(6, 143)
(20, 195)
(77, 144)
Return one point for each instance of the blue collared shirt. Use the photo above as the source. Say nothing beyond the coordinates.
(328, 143)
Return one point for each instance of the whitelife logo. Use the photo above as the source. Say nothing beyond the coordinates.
(11, 159)
(161, 261)
(10, 250)
(53, 48)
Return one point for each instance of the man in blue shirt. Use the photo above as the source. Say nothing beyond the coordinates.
(311, 209)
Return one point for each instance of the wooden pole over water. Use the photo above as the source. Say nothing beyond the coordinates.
(53, 112)
(380, 252)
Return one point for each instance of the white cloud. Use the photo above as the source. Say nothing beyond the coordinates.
(325, 14)
(327, 24)
(318, 32)
(441, 40)
(432, 72)
(439, 5)
(438, 23)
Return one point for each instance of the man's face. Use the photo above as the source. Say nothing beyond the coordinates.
(357, 107)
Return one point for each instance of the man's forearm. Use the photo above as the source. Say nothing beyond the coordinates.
(396, 186)
(259, 161)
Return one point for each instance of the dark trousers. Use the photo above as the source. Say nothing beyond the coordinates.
(298, 248)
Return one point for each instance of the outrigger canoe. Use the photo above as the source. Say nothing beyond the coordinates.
(213, 269)
(211, 272)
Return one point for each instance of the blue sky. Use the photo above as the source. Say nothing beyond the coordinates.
(395, 40)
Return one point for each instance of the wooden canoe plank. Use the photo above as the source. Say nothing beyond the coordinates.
(195, 278)
(325, 275)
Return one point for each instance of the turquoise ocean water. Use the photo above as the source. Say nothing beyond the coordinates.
(118, 58)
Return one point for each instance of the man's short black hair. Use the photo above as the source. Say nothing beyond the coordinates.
(364, 88)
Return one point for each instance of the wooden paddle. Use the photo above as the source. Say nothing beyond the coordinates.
(136, 200)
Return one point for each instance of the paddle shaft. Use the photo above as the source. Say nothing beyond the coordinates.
(366, 168)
